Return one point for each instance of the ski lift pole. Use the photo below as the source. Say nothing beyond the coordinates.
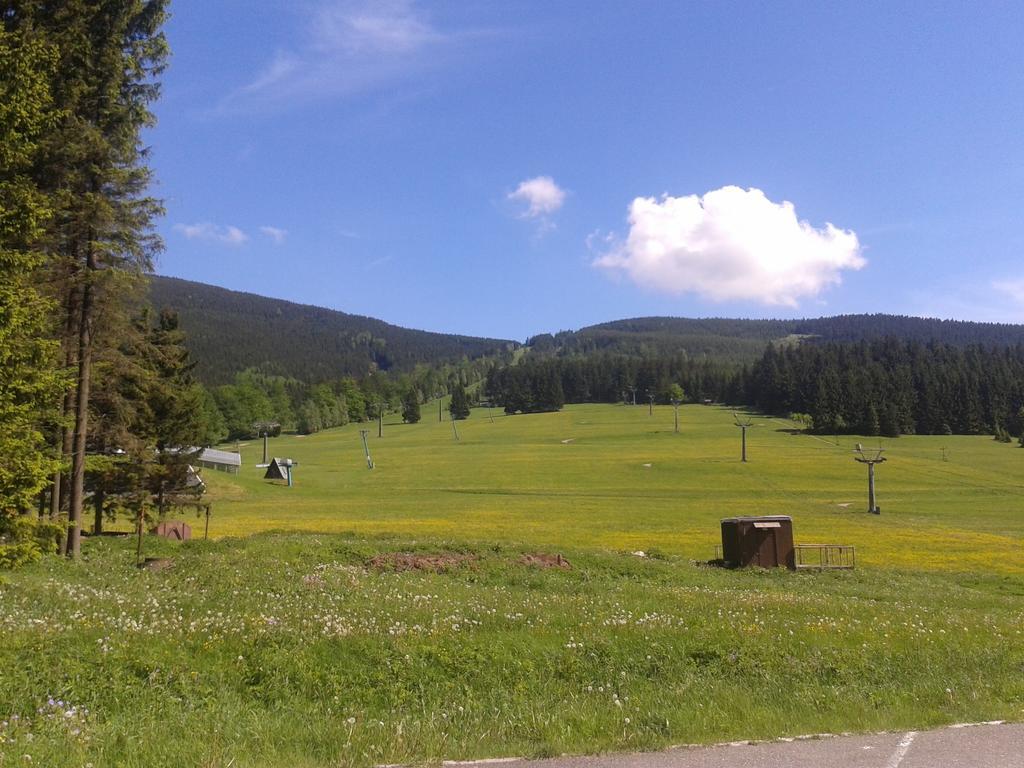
(366, 448)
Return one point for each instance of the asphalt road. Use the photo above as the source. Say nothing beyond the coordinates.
(973, 746)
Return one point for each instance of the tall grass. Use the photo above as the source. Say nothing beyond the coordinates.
(289, 649)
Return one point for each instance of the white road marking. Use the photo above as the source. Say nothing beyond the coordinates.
(901, 750)
(972, 725)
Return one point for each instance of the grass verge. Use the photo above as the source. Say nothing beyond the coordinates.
(303, 650)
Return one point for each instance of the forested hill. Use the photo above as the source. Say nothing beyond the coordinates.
(738, 340)
(229, 331)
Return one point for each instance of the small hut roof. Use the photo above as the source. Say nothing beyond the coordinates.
(214, 456)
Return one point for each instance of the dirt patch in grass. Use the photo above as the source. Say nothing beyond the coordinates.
(542, 560)
(402, 561)
(156, 564)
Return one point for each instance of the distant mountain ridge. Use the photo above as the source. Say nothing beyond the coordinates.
(228, 331)
(744, 340)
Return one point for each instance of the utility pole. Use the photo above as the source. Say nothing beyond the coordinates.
(870, 458)
(675, 408)
(743, 423)
(366, 447)
(380, 419)
(455, 430)
(262, 429)
(650, 408)
(440, 404)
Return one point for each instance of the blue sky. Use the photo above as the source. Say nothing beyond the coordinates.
(510, 168)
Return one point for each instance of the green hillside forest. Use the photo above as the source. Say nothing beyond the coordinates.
(230, 331)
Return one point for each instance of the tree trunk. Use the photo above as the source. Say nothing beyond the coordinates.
(97, 500)
(138, 537)
(74, 545)
(64, 434)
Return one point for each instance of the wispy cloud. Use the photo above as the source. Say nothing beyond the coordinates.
(541, 195)
(347, 47)
(216, 233)
(1014, 289)
(970, 297)
(275, 233)
(730, 244)
(379, 27)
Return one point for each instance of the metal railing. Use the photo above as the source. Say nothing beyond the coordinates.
(826, 556)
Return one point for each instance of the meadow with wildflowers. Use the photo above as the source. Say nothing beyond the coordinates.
(295, 649)
(415, 613)
(618, 477)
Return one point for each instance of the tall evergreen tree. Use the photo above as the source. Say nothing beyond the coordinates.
(411, 406)
(459, 405)
(549, 393)
(93, 166)
(29, 381)
(174, 413)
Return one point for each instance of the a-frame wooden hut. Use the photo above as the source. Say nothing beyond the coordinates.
(277, 469)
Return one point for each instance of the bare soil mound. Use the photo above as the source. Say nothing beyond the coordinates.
(541, 560)
(403, 561)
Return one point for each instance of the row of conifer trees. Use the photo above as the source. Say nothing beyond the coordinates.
(95, 390)
(887, 386)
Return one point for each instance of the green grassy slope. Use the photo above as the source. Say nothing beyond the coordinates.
(289, 649)
(580, 477)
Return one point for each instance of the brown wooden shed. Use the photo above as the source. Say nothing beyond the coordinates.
(763, 541)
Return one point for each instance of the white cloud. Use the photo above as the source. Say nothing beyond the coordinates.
(541, 195)
(274, 233)
(346, 47)
(1012, 288)
(218, 233)
(383, 26)
(731, 244)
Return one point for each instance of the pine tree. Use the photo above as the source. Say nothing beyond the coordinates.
(459, 405)
(411, 407)
(173, 411)
(889, 422)
(548, 390)
(30, 386)
(872, 425)
(93, 167)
